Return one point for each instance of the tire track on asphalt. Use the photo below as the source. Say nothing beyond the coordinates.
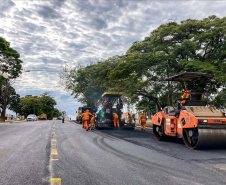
(141, 162)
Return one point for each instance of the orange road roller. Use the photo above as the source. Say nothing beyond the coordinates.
(196, 123)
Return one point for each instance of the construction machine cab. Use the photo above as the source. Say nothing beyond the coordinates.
(111, 102)
(192, 99)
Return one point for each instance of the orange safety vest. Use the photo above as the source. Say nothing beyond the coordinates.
(143, 118)
(115, 115)
(185, 95)
(87, 116)
(92, 120)
(83, 116)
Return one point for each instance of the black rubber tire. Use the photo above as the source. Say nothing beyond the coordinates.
(158, 135)
(190, 142)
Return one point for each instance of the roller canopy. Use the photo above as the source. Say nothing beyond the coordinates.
(190, 77)
(112, 94)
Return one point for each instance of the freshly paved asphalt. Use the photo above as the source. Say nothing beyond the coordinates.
(42, 152)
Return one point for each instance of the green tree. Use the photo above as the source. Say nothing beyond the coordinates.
(193, 46)
(10, 68)
(30, 105)
(56, 113)
(90, 82)
(48, 104)
(43, 104)
(10, 64)
(14, 103)
(220, 100)
(172, 48)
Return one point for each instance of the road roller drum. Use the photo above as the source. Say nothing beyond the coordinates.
(205, 137)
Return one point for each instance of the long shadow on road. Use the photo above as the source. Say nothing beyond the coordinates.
(171, 146)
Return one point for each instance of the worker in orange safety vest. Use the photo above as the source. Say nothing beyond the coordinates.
(184, 96)
(83, 119)
(86, 119)
(130, 118)
(116, 120)
(92, 122)
(142, 121)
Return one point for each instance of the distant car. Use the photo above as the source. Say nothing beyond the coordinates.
(31, 117)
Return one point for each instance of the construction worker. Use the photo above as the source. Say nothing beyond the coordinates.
(116, 121)
(105, 102)
(83, 119)
(86, 122)
(184, 96)
(142, 121)
(130, 118)
(92, 122)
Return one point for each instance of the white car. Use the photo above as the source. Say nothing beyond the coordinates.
(31, 117)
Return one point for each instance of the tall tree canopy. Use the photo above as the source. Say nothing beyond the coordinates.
(88, 83)
(10, 64)
(10, 68)
(43, 104)
(172, 48)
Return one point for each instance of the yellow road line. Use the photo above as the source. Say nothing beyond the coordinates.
(53, 144)
(54, 152)
(54, 159)
(54, 129)
(53, 139)
(53, 132)
(55, 181)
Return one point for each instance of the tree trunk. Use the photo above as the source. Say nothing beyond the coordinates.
(3, 113)
(5, 97)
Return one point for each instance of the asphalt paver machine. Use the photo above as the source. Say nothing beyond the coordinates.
(198, 124)
(111, 102)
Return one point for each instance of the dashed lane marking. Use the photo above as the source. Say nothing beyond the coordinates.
(54, 152)
(55, 181)
(53, 139)
(54, 159)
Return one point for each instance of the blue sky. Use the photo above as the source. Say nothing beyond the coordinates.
(51, 33)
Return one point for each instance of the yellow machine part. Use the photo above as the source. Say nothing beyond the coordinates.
(112, 93)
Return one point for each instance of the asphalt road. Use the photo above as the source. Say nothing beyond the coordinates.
(49, 152)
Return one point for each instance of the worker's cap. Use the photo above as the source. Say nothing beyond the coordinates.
(87, 110)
